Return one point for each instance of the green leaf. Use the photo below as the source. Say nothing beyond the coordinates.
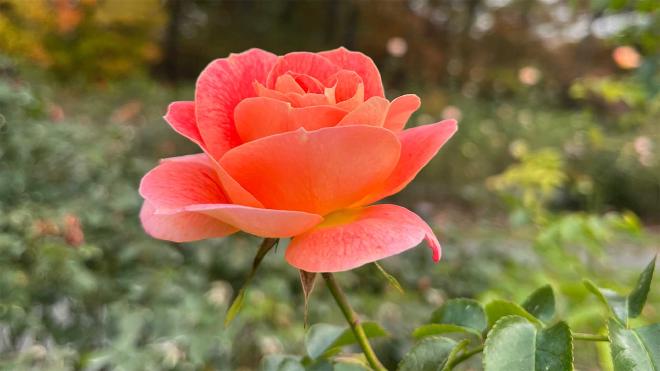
(515, 344)
(322, 338)
(281, 362)
(237, 304)
(430, 354)
(637, 297)
(554, 348)
(497, 309)
(442, 328)
(617, 304)
(635, 349)
(461, 312)
(390, 278)
(541, 303)
(510, 345)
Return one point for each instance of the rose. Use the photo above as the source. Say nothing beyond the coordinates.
(295, 146)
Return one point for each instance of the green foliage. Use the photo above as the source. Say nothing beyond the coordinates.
(624, 307)
(466, 313)
(515, 344)
(430, 354)
(635, 349)
(541, 304)
(497, 309)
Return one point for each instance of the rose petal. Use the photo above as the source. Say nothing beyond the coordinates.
(345, 84)
(259, 117)
(351, 238)
(316, 117)
(222, 84)
(263, 91)
(353, 102)
(287, 84)
(319, 171)
(301, 63)
(181, 117)
(400, 111)
(179, 183)
(362, 65)
(234, 191)
(308, 83)
(260, 222)
(307, 99)
(371, 112)
(418, 146)
(182, 227)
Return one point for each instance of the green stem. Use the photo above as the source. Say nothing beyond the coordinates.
(464, 357)
(353, 321)
(589, 337)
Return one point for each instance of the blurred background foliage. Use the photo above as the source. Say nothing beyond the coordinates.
(554, 174)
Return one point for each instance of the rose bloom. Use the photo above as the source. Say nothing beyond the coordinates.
(295, 146)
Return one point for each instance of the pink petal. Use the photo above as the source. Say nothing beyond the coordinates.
(316, 117)
(345, 84)
(371, 112)
(287, 84)
(308, 83)
(301, 63)
(182, 227)
(400, 111)
(259, 117)
(181, 117)
(178, 183)
(353, 102)
(263, 91)
(220, 87)
(260, 222)
(307, 99)
(418, 146)
(351, 238)
(319, 171)
(360, 63)
(234, 191)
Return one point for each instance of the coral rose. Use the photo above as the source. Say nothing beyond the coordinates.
(295, 146)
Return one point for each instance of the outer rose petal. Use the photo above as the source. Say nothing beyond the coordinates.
(234, 191)
(400, 111)
(175, 184)
(371, 112)
(261, 222)
(182, 227)
(222, 84)
(319, 171)
(360, 63)
(303, 63)
(351, 238)
(418, 146)
(181, 117)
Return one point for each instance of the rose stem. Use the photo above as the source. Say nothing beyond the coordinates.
(353, 321)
